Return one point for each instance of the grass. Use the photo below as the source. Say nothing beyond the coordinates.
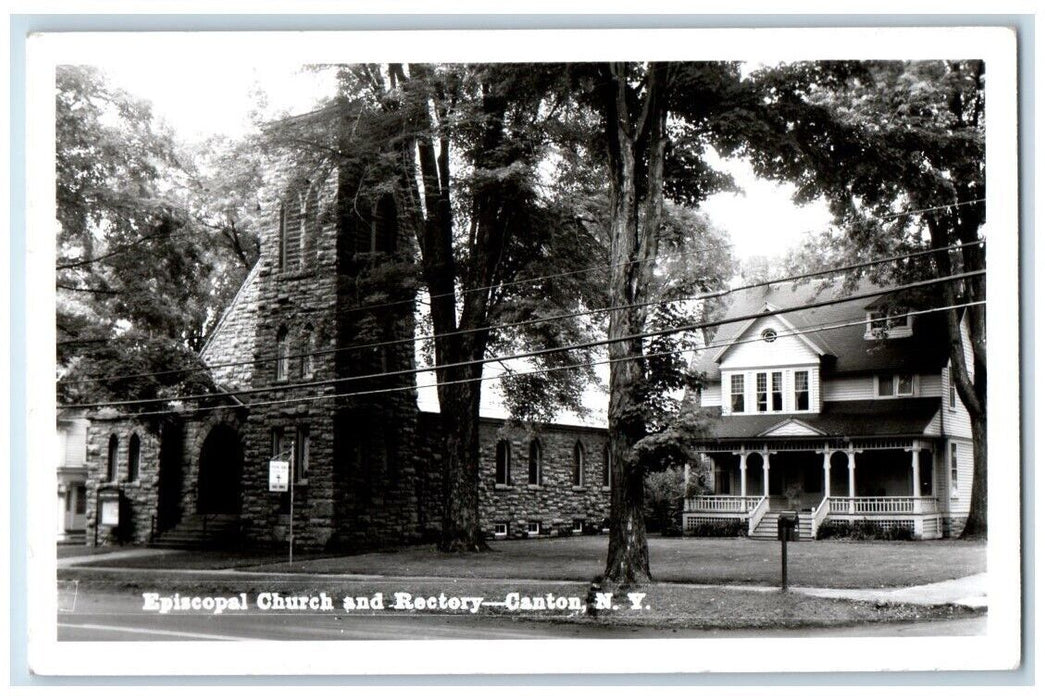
(831, 564)
(664, 606)
(685, 560)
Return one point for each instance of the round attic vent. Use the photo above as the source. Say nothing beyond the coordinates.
(769, 335)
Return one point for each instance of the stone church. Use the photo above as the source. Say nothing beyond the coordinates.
(317, 359)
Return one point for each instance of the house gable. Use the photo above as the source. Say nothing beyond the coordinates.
(788, 348)
(791, 428)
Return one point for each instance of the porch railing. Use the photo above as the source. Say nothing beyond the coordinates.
(756, 514)
(908, 505)
(819, 514)
(723, 504)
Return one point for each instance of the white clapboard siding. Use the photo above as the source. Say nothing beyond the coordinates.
(786, 350)
(930, 385)
(849, 389)
(962, 496)
(711, 395)
(63, 439)
(73, 443)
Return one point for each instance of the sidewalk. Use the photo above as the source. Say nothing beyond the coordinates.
(968, 591)
(115, 556)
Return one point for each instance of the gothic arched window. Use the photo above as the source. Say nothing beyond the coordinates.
(578, 464)
(134, 456)
(504, 463)
(535, 475)
(114, 448)
(282, 359)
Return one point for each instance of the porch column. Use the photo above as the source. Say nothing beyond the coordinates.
(765, 474)
(916, 485)
(743, 475)
(827, 473)
(852, 479)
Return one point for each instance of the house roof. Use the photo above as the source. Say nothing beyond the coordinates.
(873, 418)
(845, 348)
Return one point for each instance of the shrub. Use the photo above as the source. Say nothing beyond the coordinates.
(664, 491)
(863, 530)
(726, 527)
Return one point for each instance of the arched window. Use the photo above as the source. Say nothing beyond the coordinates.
(114, 448)
(306, 216)
(504, 463)
(282, 360)
(535, 462)
(134, 456)
(308, 343)
(607, 464)
(578, 464)
(383, 226)
(282, 243)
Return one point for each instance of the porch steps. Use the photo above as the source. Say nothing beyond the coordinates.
(77, 537)
(218, 531)
(766, 529)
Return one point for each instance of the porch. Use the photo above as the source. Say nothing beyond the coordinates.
(890, 483)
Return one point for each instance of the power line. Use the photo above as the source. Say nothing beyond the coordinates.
(545, 351)
(547, 319)
(581, 365)
(929, 209)
(415, 300)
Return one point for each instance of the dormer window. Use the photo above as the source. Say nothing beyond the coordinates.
(888, 322)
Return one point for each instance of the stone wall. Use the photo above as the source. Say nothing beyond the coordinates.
(555, 503)
(233, 337)
(138, 497)
(296, 297)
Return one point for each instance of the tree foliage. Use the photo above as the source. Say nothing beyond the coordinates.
(897, 148)
(140, 281)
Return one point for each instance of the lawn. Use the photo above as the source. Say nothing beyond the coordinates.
(832, 564)
(563, 565)
(663, 606)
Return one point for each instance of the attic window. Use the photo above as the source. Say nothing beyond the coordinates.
(769, 335)
(888, 322)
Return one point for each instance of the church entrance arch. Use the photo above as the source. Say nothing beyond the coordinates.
(221, 469)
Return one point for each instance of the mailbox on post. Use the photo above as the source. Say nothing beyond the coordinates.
(786, 524)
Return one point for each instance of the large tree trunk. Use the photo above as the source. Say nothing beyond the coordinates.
(460, 334)
(636, 146)
(971, 387)
(459, 409)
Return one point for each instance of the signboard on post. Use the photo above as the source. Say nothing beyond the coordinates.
(279, 475)
(110, 511)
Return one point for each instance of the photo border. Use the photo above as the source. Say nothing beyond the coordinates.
(669, 658)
